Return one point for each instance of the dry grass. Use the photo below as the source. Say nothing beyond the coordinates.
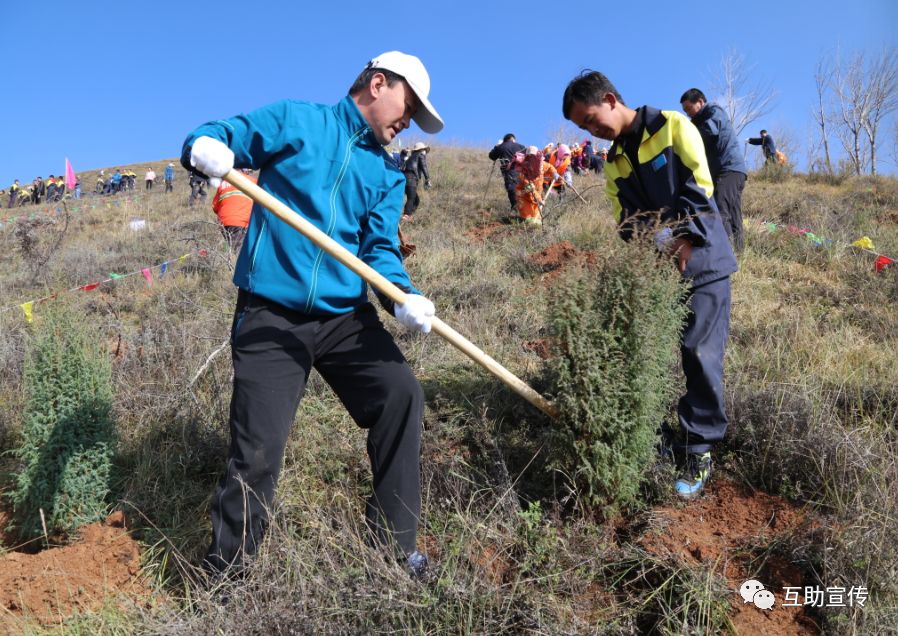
(812, 386)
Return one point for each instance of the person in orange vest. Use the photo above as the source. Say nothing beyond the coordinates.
(577, 159)
(561, 160)
(233, 209)
(533, 173)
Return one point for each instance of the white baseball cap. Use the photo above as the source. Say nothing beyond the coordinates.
(412, 69)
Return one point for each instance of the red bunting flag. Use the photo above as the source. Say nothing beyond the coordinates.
(90, 287)
(147, 274)
(882, 262)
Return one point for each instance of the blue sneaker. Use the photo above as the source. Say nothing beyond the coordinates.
(417, 565)
(694, 476)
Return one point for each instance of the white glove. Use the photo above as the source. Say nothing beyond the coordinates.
(415, 313)
(213, 158)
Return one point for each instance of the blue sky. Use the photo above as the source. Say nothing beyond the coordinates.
(117, 83)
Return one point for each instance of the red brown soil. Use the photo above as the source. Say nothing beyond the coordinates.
(716, 530)
(482, 233)
(541, 347)
(54, 584)
(557, 257)
(491, 562)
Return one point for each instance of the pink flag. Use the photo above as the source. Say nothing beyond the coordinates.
(69, 175)
(147, 274)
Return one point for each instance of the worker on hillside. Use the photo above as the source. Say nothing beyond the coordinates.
(658, 163)
(169, 177)
(560, 158)
(116, 182)
(149, 178)
(767, 145)
(588, 153)
(577, 159)
(51, 188)
(13, 194)
(534, 173)
(298, 308)
(504, 152)
(414, 168)
(197, 188)
(725, 161)
(233, 209)
(38, 189)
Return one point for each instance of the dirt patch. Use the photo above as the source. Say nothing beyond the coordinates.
(482, 233)
(54, 584)
(716, 530)
(541, 347)
(491, 562)
(553, 260)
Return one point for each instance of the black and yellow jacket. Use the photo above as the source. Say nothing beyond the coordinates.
(670, 185)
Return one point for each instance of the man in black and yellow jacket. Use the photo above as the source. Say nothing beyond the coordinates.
(658, 180)
(13, 194)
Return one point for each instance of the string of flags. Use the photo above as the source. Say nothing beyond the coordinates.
(864, 243)
(147, 273)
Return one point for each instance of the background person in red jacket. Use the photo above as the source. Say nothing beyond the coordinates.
(233, 209)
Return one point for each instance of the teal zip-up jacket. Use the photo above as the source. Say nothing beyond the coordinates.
(325, 163)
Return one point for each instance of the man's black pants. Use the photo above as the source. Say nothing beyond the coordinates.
(273, 351)
(412, 200)
(728, 197)
(511, 182)
(701, 411)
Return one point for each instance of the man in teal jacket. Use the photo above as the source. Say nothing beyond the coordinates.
(298, 308)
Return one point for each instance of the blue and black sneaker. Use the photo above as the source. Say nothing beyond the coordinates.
(694, 476)
(417, 565)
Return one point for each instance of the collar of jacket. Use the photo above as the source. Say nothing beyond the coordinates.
(348, 114)
(652, 120)
(704, 114)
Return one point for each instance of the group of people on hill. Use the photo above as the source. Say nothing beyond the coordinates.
(168, 178)
(118, 181)
(39, 191)
(412, 162)
(54, 188)
(122, 180)
(298, 309)
(531, 174)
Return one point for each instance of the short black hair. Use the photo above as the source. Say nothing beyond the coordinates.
(589, 87)
(763, 132)
(693, 95)
(364, 79)
(508, 137)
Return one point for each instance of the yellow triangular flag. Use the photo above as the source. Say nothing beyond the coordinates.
(181, 259)
(27, 307)
(864, 243)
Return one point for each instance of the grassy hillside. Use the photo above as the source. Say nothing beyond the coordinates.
(805, 489)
